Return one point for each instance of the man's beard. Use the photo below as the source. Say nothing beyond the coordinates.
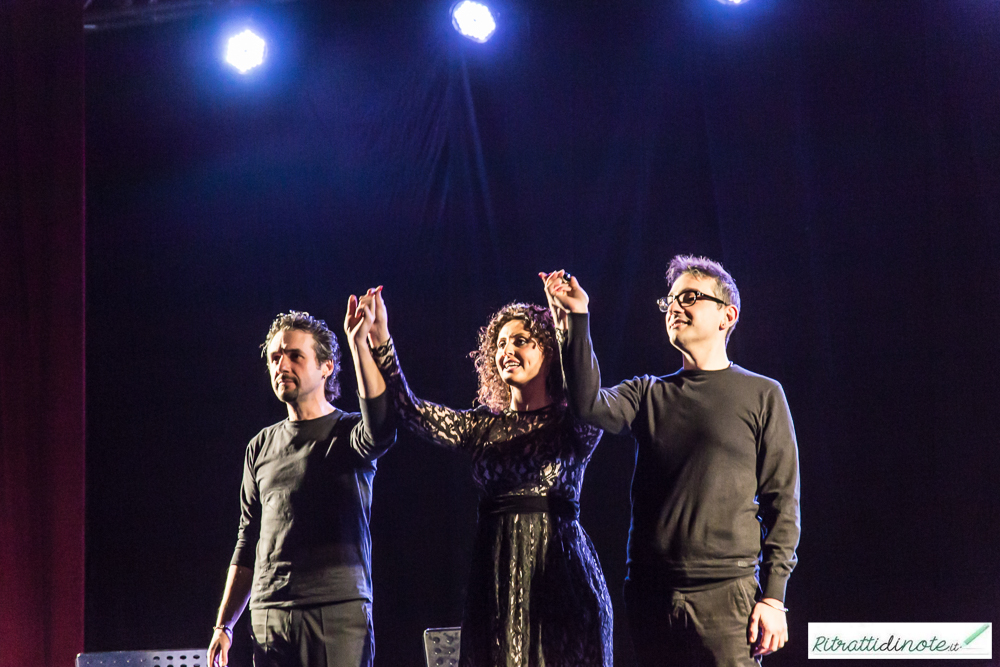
(288, 393)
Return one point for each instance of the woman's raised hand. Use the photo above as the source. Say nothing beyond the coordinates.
(379, 333)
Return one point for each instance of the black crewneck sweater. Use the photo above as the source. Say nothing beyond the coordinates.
(715, 492)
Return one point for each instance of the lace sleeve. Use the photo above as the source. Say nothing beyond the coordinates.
(587, 437)
(436, 423)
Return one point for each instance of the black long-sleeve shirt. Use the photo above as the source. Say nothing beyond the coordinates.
(306, 504)
(715, 490)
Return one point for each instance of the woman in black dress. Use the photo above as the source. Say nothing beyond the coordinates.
(536, 594)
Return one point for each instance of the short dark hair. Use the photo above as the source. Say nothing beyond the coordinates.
(493, 391)
(703, 267)
(324, 343)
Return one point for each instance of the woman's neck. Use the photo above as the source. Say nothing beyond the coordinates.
(532, 397)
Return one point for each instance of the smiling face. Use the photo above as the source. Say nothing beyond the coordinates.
(702, 323)
(519, 358)
(291, 362)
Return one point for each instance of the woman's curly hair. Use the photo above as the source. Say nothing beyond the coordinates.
(493, 391)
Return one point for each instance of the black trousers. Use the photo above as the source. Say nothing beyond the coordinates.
(692, 628)
(334, 635)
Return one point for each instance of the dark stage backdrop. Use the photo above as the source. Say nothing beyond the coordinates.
(840, 157)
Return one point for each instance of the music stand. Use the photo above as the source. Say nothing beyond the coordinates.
(441, 646)
(183, 657)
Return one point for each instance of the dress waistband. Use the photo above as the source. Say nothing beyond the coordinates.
(561, 507)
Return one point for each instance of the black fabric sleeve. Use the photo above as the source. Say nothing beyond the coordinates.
(249, 530)
(778, 494)
(610, 409)
(376, 432)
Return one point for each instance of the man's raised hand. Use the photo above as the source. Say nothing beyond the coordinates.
(360, 317)
(564, 291)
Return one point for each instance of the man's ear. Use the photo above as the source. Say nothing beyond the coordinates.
(732, 315)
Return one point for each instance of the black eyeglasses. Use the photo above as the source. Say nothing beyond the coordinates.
(687, 298)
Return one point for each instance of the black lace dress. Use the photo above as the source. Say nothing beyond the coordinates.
(536, 595)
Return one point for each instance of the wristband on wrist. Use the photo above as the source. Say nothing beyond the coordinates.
(226, 629)
(781, 608)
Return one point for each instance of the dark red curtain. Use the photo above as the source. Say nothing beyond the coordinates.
(41, 313)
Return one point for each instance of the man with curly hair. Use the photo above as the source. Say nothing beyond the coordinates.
(715, 493)
(303, 554)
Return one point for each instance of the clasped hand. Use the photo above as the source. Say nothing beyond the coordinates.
(564, 295)
(367, 318)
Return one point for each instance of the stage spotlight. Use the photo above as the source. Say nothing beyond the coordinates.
(246, 51)
(732, 2)
(473, 20)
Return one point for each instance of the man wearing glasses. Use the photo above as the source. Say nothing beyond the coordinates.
(715, 492)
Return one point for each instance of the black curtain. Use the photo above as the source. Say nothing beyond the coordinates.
(839, 157)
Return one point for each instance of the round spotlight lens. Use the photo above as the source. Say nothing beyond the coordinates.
(246, 51)
(732, 2)
(473, 20)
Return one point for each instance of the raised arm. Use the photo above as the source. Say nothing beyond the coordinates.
(358, 323)
(376, 432)
(564, 295)
(436, 423)
(610, 409)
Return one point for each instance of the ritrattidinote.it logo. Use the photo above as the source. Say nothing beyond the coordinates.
(887, 641)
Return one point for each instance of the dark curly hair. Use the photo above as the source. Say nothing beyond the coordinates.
(324, 343)
(493, 391)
